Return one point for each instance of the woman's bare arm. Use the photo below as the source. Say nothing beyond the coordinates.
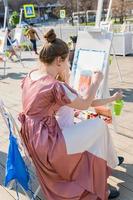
(83, 104)
(100, 102)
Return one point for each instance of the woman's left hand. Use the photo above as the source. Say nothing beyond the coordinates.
(118, 95)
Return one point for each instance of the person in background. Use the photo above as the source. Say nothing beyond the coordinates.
(32, 35)
(72, 51)
(9, 45)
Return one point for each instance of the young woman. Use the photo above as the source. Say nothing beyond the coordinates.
(73, 162)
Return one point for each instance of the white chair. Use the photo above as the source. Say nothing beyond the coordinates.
(6, 115)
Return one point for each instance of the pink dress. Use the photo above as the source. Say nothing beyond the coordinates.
(69, 166)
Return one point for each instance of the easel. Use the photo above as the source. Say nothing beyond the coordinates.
(19, 37)
(98, 21)
(95, 41)
(3, 47)
(106, 26)
(117, 64)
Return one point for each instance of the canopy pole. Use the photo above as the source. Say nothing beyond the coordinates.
(109, 11)
(99, 12)
(6, 13)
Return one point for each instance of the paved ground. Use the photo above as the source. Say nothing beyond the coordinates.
(10, 92)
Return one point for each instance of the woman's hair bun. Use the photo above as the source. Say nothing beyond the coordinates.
(50, 36)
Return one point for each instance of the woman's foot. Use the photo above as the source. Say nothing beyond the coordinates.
(121, 160)
(113, 193)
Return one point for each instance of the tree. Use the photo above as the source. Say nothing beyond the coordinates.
(119, 9)
(85, 5)
(69, 5)
(14, 19)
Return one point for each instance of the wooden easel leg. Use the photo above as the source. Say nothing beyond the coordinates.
(117, 65)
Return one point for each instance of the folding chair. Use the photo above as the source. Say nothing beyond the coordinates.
(6, 115)
(13, 47)
(3, 48)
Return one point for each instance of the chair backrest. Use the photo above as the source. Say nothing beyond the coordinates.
(7, 115)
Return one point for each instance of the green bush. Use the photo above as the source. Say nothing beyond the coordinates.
(7, 54)
(14, 19)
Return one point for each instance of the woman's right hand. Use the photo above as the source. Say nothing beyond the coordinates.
(97, 77)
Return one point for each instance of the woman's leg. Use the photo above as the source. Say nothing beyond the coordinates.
(93, 136)
(34, 46)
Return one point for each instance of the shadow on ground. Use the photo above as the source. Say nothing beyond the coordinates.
(127, 93)
(29, 59)
(126, 179)
(2, 68)
(15, 76)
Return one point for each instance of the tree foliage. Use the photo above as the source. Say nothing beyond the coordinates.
(14, 19)
(120, 9)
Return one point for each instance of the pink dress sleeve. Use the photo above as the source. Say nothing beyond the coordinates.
(63, 94)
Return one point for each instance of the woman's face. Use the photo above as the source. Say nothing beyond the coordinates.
(66, 64)
(64, 68)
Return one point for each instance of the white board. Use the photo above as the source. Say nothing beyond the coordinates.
(90, 59)
(92, 51)
(87, 62)
(19, 35)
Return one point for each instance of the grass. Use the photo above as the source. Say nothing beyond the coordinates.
(88, 24)
(130, 19)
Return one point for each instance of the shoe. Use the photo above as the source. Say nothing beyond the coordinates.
(36, 53)
(121, 160)
(114, 193)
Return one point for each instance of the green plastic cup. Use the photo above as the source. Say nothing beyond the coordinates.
(118, 105)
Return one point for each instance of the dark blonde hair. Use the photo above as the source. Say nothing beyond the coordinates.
(53, 48)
